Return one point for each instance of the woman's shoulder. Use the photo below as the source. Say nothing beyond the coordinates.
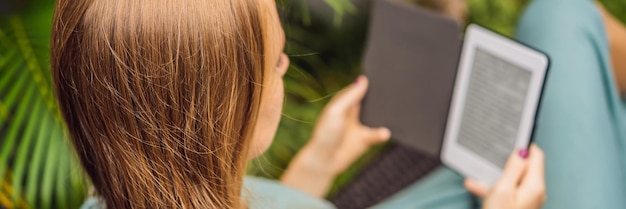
(265, 193)
(93, 203)
(260, 193)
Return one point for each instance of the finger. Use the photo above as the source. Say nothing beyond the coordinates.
(375, 135)
(536, 164)
(476, 188)
(350, 96)
(533, 184)
(513, 170)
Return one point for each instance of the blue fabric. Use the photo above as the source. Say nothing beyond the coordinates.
(269, 194)
(93, 203)
(260, 194)
(581, 123)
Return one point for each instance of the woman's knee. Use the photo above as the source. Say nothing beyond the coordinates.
(550, 21)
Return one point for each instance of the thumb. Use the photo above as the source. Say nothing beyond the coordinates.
(350, 96)
(476, 188)
(376, 135)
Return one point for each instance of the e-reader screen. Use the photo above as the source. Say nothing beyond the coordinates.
(493, 108)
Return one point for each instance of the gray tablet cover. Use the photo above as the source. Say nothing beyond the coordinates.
(411, 62)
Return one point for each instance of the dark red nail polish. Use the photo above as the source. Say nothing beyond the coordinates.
(523, 153)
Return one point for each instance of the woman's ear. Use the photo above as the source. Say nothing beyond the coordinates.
(283, 64)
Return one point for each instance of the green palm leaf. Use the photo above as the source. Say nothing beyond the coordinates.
(34, 147)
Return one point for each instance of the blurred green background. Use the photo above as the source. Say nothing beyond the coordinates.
(37, 166)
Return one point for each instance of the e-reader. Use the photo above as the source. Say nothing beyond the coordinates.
(498, 87)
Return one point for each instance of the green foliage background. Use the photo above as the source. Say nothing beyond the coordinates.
(37, 166)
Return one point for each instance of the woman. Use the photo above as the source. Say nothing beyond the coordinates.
(166, 101)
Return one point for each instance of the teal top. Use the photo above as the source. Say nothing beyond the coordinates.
(260, 194)
(264, 193)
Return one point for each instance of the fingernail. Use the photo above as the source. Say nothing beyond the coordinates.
(357, 80)
(523, 153)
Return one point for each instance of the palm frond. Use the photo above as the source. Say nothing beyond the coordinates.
(35, 150)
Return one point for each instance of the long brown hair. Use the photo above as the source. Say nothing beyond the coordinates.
(160, 97)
